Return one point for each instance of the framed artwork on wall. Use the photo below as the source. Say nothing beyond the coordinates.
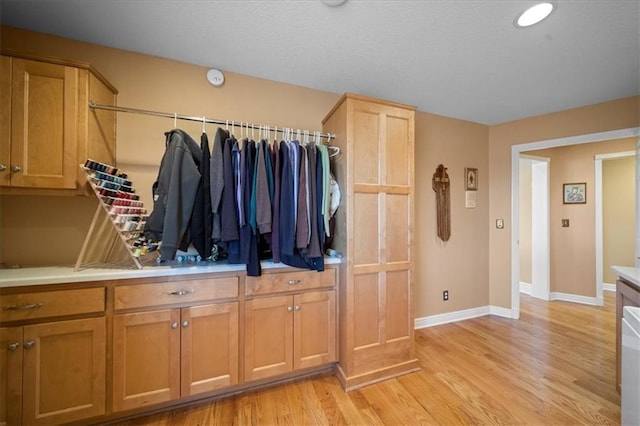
(574, 193)
(470, 179)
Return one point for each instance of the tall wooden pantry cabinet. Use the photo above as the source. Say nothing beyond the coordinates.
(374, 226)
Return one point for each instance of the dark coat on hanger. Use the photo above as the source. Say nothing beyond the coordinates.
(174, 193)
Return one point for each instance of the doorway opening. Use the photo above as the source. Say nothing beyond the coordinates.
(516, 151)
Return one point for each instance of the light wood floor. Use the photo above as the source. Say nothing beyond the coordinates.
(554, 366)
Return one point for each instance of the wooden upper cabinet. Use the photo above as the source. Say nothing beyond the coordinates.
(47, 126)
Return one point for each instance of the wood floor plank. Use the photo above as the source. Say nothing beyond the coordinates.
(553, 366)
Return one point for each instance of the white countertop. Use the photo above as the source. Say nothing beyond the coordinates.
(629, 273)
(61, 274)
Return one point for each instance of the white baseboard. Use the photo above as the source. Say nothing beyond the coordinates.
(525, 288)
(465, 314)
(576, 298)
(501, 312)
(608, 287)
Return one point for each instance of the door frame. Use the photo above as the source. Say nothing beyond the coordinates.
(516, 150)
(540, 233)
(599, 219)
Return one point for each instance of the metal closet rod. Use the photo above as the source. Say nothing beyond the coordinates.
(175, 116)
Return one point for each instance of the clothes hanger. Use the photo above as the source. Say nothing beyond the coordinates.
(204, 121)
(175, 120)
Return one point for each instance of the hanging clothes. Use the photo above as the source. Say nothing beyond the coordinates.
(263, 198)
(304, 218)
(253, 200)
(228, 205)
(202, 216)
(216, 177)
(174, 193)
(275, 207)
(314, 248)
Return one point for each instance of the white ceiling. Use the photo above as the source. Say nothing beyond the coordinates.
(462, 59)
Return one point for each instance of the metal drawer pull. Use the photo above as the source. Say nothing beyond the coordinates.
(181, 292)
(3, 167)
(25, 307)
(13, 346)
(29, 344)
(15, 169)
(293, 282)
(174, 324)
(185, 323)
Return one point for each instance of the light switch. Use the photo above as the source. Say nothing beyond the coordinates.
(565, 223)
(500, 223)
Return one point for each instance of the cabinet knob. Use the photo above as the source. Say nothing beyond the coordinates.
(289, 308)
(297, 308)
(185, 323)
(13, 346)
(3, 167)
(15, 168)
(174, 324)
(29, 344)
(293, 282)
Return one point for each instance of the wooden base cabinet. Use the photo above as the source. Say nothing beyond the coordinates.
(289, 322)
(288, 333)
(162, 355)
(627, 294)
(53, 372)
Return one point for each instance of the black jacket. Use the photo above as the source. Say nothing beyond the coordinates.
(174, 193)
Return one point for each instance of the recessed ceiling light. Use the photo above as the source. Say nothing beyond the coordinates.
(534, 14)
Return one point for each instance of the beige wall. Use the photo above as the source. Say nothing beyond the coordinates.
(618, 214)
(461, 264)
(524, 246)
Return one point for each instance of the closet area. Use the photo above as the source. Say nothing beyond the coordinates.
(242, 200)
(282, 254)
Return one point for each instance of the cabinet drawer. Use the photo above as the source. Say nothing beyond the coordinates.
(168, 293)
(289, 281)
(17, 307)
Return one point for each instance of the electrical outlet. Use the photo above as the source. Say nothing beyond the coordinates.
(445, 295)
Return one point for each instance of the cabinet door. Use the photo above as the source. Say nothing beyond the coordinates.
(209, 347)
(10, 375)
(379, 292)
(5, 120)
(44, 125)
(64, 371)
(314, 332)
(146, 358)
(268, 337)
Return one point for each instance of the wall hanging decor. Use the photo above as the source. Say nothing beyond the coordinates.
(574, 193)
(440, 183)
(470, 179)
